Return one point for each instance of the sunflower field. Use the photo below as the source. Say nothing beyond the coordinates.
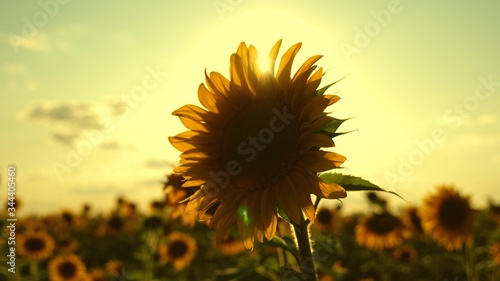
(247, 202)
(443, 239)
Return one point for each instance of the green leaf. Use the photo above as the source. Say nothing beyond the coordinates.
(322, 91)
(330, 129)
(352, 183)
(286, 244)
(283, 214)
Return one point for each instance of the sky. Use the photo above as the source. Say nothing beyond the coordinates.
(87, 90)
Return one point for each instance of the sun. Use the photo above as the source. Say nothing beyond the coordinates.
(264, 64)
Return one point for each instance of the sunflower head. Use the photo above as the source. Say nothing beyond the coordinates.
(115, 268)
(35, 245)
(96, 274)
(405, 254)
(412, 221)
(179, 250)
(67, 267)
(448, 217)
(231, 246)
(495, 253)
(256, 146)
(380, 231)
(326, 219)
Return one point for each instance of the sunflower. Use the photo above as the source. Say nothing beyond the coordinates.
(115, 268)
(325, 220)
(231, 246)
(179, 250)
(96, 274)
(175, 193)
(412, 221)
(495, 253)
(448, 218)
(35, 245)
(116, 224)
(67, 268)
(67, 244)
(405, 254)
(257, 146)
(380, 231)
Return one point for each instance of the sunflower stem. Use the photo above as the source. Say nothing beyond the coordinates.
(306, 262)
(34, 270)
(470, 263)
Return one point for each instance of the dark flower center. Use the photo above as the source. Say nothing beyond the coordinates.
(34, 244)
(324, 217)
(453, 213)
(382, 224)
(67, 269)
(405, 256)
(415, 221)
(177, 249)
(115, 223)
(153, 222)
(68, 218)
(261, 145)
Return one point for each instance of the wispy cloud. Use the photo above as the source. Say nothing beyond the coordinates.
(38, 43)
(156, 164)
(71, 121)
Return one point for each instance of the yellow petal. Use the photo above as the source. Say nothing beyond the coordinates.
(268, 211)
(319, 161)
(273, 54)
(313, 82)
(314, 108)
(287, 198)
(331, 190)
(304, 195)
(333, 98)
(315, 141)
(207, 99)
(306, 65)
(196, 113)
(285, 67)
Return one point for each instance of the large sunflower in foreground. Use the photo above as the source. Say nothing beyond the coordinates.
(257, 144)
(448, 218)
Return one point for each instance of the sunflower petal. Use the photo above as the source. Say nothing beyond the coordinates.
(287, 199)
(273, 54)
(314, 108)
(314, 81)
(333, 99)
(285, 67)
(304, 195)
(307, 65)
(319, 161)
(330, 190)
(315, 141)
(268, 211)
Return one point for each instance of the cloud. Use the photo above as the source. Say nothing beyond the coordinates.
(114, 145)
(156, 164)
(38, 43)
(70, 121)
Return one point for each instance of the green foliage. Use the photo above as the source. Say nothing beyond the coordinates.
(352, 183)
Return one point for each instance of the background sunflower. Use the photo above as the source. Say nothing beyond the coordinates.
(448, 217)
